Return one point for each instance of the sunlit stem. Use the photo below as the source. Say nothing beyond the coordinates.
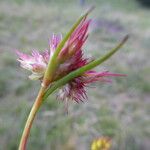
(28, 125)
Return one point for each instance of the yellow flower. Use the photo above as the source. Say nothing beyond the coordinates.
(102, 143)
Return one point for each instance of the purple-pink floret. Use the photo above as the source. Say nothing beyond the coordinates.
(69, 59)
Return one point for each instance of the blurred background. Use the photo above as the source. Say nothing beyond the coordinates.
(119, 110)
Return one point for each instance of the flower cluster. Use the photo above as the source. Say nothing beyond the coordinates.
(69, 59)
(102, 143)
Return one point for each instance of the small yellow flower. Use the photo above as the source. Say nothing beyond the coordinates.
(102, 143)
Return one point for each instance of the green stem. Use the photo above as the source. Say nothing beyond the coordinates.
(28, 125)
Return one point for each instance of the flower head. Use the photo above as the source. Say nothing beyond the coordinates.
(75, 42)
(102, 143)
(36, 63)
(69, 59)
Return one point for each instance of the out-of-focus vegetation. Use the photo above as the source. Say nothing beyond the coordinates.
(145, 3)
(119, 110)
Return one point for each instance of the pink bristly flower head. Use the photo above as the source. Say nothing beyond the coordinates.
(75, 89)
(69, 59)
(36, 63)
(76, 41)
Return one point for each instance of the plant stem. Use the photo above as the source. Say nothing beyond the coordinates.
(30, 119)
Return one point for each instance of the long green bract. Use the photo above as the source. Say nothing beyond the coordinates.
(83, 69)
